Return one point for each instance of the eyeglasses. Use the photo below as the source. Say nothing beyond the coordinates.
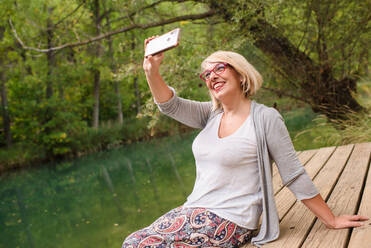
(218, 69)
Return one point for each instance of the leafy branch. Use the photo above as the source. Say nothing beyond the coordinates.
(109, 34)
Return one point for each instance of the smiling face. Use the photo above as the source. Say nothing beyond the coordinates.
(240, 78)
(222, 82)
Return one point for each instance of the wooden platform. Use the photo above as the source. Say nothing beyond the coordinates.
(343, 177)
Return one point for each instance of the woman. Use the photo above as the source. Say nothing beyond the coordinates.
(233, 186)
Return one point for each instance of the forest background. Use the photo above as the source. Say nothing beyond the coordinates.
(72, 82)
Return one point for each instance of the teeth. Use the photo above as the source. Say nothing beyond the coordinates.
(217, 85)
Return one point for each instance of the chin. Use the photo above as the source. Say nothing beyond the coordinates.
(219, 96)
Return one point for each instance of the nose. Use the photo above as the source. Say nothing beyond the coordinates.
(213, 76)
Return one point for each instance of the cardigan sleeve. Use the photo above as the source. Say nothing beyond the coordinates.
(191, 113)
(282, 151)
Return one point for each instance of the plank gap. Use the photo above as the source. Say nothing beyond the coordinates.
(339, 175)
(283, 216)
(324, 164)
(359, 201)
(343, 199)
(308, 231)
(330, 191)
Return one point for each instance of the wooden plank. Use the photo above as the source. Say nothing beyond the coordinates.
(296, 223)
(285, 199)
(343, 200)
(361, 236)
(304, 157)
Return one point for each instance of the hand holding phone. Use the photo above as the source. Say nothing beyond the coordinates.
(163, 42)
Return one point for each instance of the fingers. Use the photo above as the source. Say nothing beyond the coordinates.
(359, 217)
(155, 57)
(159, 56)
(346, 221)
(354, 224)
(148, 40)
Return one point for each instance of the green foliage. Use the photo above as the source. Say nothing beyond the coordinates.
(20, 155)
(337, 30)
(59, 126)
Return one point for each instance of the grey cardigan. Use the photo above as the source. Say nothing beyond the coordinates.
(273, 144)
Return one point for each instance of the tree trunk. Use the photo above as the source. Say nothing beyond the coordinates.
(135, 80)
(50, 56)
(326, 94)
(120, 117)
(4, 98)
(137, 94)
(61, 92)
(317, 84)
(116, 85)
(363, 62)
(96, 72)
(5, 110)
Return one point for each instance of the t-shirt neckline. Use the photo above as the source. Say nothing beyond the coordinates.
(235, 132)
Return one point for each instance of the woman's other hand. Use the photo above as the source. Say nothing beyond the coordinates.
(151, 63)
(320, 208)
(346, 221)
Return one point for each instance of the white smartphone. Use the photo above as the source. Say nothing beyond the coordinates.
(163, 42)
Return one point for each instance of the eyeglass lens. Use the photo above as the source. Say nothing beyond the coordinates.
(219, 68)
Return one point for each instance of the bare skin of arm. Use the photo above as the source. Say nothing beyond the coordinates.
(320, 209)
(151, 65)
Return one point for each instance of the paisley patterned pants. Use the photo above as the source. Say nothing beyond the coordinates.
(189, 227)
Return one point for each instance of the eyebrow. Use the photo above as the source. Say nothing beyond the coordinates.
(214, 64)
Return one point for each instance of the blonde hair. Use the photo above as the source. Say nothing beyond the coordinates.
(251, 78)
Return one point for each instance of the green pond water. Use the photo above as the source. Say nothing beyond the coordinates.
(95, 201)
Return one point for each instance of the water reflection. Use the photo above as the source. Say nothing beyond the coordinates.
(23, 215)
(153, 184)
(97, 200)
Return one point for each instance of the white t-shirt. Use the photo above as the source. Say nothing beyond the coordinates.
(227, 174)
(273, 142)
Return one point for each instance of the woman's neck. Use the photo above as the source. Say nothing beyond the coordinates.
(237, 106)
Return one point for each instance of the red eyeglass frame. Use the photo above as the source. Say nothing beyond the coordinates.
(213, 70)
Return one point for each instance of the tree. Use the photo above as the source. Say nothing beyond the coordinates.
(50, 56)
(301, 41)
(113, 66)
(312, 73)
(4, 92)
(5, 108)
(90, 50)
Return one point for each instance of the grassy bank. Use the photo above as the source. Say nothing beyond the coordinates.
(319, 132)
(73, 145)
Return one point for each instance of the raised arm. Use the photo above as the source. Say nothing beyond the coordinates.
(191, 113)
